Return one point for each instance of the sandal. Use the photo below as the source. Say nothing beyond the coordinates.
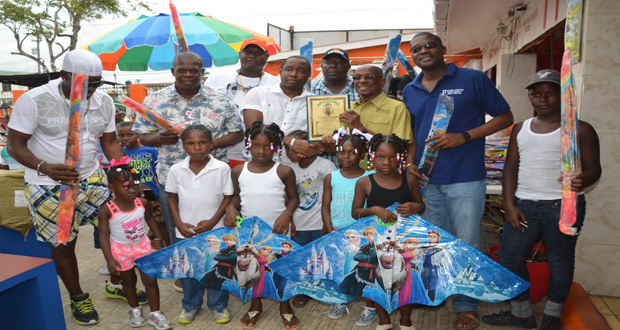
(286, 321)
(251, 315)
(384, 327)
(300, 300)
(463, 317)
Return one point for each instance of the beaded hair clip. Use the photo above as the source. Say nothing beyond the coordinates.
(342, 132)
(248, 145)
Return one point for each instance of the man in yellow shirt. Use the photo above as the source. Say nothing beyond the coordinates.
(374, 112)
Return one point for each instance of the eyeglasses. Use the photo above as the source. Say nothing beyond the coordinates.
(367, 77)
(418, 48)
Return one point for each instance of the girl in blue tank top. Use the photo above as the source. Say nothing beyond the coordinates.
(339, 186)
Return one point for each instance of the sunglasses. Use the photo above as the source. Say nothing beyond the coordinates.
(367, 77)
(93, 84)
(418, 48)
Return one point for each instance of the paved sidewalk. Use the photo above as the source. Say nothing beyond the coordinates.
(113, 312)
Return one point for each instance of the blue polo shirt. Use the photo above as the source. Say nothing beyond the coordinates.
(474, 95)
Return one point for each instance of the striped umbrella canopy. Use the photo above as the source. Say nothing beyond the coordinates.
(150, 42)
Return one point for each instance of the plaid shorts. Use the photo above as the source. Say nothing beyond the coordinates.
(43, 204)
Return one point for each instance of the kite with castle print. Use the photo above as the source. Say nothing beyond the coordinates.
(238, 260)
(410, 261)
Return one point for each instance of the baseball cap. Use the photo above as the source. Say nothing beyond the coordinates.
(550, 76)
(79, 59)
(337, 51)
(256, 42)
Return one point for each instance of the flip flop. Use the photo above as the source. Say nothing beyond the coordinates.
(288, 318)
(471, 315)
(300, 300)
(252, 315)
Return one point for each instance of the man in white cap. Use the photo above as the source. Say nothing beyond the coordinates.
(38, 138)
(238, 83)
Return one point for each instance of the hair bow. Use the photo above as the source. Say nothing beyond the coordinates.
(123, 161)
(341, 132)
(361, 134)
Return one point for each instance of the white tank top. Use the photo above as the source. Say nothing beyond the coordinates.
(539, 164)
(127, 227)
(262, 194)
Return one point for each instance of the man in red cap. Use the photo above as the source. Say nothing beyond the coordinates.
(238, 83)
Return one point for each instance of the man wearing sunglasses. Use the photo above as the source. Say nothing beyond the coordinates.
(374, 112)
(455, 194)
(38, 138)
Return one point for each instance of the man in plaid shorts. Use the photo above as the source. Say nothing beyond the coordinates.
(38, 137)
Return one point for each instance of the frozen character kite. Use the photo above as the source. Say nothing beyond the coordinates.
(279, 281)
(223, 270)
(207, 256)
(390, 264)
(435, 257)
(354, 240)
(412, 282)
(363, 274)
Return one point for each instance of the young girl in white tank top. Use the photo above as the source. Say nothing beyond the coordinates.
(265, 189)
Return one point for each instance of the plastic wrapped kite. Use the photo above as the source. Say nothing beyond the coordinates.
(238, 260)
(411, 261)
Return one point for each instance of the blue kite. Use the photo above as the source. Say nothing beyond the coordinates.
(409, 261)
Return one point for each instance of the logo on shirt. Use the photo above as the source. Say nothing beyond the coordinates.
(452, 91)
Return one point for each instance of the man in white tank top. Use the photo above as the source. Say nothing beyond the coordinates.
(532, 201)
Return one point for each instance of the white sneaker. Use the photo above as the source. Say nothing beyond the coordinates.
(136, 317)
(159, 321)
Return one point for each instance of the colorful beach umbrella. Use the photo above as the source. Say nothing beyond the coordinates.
(150, 41)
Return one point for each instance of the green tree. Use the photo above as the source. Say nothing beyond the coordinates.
(57, 22)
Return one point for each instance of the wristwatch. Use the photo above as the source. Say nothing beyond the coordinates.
(466, 137)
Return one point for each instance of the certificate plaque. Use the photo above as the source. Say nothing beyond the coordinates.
(323, 114)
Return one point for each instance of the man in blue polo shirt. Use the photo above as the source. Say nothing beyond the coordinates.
(455, 194)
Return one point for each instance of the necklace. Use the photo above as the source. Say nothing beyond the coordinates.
(246, 89)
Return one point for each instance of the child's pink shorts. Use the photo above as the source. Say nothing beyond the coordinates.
(125, 254)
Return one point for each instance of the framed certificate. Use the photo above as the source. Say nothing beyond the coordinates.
(323, 114)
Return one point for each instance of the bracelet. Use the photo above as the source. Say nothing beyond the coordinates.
(290, 146)
(158, 239)
(39, 169)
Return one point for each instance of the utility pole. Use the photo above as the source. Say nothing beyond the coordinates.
(38, 51)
